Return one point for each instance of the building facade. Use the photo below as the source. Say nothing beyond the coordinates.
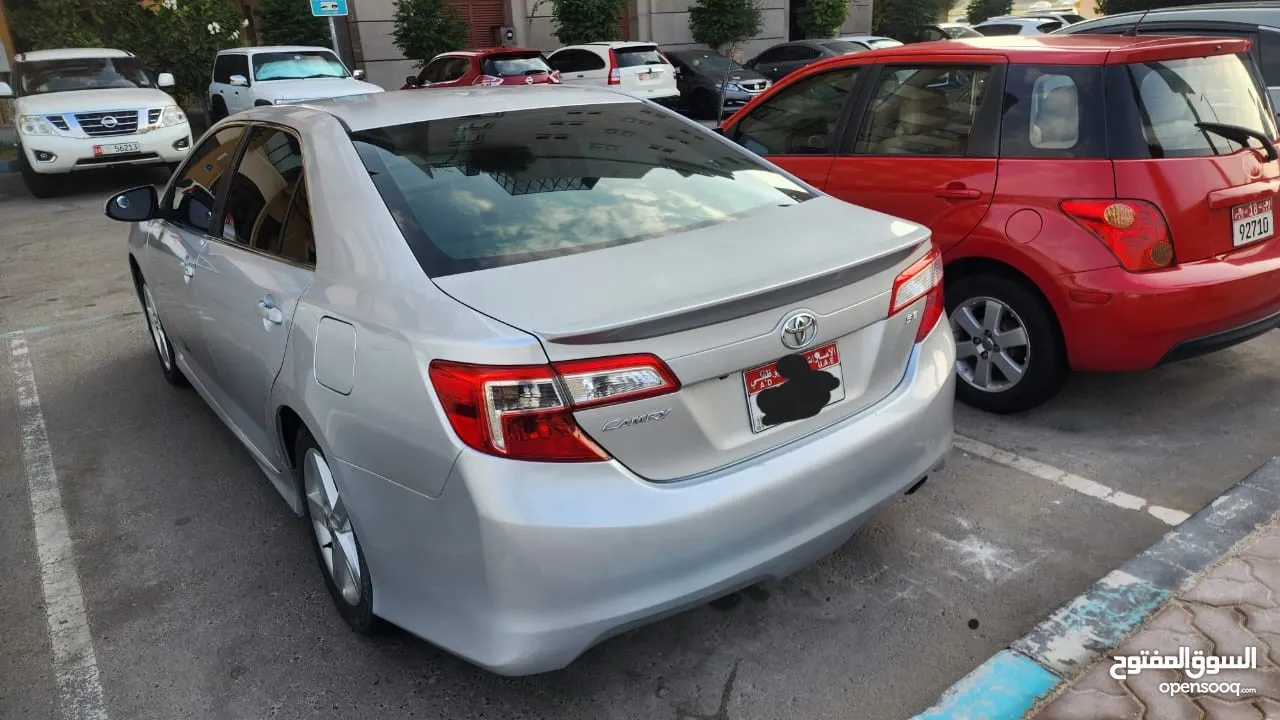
(366, 38)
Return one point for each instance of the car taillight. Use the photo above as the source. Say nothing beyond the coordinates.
(922, 279)
(615, 75)
(525, 412)
(555, 76)
(487, 80)
(1134, 230)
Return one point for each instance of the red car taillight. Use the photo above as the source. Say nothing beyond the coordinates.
(1134, 230)
(525, 412)
(555, 76)
(922, 279)
(615, 75)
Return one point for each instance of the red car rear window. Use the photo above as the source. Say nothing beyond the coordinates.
(514, 65)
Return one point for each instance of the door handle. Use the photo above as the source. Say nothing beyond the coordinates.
(957, 191)
(188, 271)
(269, 313)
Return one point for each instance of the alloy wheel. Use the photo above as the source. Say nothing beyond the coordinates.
(993, 349)
(332, 527)
(157, 330)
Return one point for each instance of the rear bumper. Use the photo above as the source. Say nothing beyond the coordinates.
(1153, 318)
(521, 567)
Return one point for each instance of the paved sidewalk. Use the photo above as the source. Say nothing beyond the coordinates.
(1234, 606)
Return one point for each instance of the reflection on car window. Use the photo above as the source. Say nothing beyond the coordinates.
(515, 65)
(261, 190)
(298, 241)
(194, 194)
(1044, 112)
(49, 76)
(1175, 95)
(491, 190)
(923, 110)
(799, 120)
(1055, 113)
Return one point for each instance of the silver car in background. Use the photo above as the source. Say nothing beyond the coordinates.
(541, 366)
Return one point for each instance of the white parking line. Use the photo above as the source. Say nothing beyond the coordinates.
(1081, 485)
(74, 663)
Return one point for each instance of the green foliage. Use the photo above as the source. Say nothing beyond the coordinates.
(290, 22)
(426, 28)
(584, 21)
(888, 16)
(174, 36)
(981, 10)
(1111, 7)
(822, 18)
(721, 23)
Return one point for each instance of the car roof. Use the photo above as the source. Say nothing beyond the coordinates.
(1018, 20)
(1257, 11)
(398, 107)
(275, 48)
(1064, 49)
(861, 37)
(485, 52)
(616, 44)
(71, 54)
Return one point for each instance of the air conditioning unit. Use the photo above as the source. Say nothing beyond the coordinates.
(504, 36)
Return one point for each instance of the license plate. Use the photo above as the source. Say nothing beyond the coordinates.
(1251, 222)
(803, 395)
(117, 149)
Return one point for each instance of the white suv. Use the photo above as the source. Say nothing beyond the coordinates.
(635, 68)
(245, 77)
(90, 108)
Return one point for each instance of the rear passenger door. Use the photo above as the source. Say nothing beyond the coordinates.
(924, 146)
(579, 67)
(801, 125)
(258, 267)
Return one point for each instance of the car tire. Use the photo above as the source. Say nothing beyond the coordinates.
(217, 109)
(331, 530)
(1004, 327)
(40, 186)
(160, 339)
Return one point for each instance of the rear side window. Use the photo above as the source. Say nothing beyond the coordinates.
(1174, 95)
(493, 190)
(515, 65)
(1053, 112)
(640, 55)
(1049, 26)
(1000, 29)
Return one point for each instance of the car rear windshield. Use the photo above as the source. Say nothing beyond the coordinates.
(638, 55)
(515, 65)
(1173, 96)
(843, 46)
(491, 190)
(883, 43)
(957, 32)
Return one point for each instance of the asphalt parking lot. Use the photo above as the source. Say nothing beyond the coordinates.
(204, 601)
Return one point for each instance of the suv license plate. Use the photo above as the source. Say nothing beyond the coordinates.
(1251, 222)
(756, 380)
(117, 149)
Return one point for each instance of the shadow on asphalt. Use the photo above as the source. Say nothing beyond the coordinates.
(86, 185)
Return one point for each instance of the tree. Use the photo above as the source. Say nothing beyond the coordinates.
(46, 24)
(584, 21)
(721, 24)
(822, 18)
(290, 22)
(426, 28)
(890, 17)
(981, 10)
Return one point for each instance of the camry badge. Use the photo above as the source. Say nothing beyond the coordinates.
(631, 421)
(799, 329)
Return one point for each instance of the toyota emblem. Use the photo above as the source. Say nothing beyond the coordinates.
(799, 329)
(109, 122)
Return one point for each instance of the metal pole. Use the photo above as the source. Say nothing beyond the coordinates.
(333, 36)
(724, 85)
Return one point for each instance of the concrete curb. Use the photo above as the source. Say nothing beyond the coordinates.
(1009, 684)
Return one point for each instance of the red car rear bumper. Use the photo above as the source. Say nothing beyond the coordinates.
(1117, 321)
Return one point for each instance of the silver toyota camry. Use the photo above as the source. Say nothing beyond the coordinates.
(539, 365)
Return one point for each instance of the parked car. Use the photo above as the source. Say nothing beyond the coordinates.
(705, 78)
(1078, 234)
(441, 339)
(1258, 22)
(246, 77)
(870, 42)
(492, 66)
(1063, 17)
(80, 109)
(635, 68)
(783, 59)
(931, 33)
(1025, 25)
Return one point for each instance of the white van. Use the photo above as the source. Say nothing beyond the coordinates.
(635, 68)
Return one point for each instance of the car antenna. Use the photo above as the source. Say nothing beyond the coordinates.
(1133, 31)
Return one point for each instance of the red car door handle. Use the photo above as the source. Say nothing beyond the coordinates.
(957, 191)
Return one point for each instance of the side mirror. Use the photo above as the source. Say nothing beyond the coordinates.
(411, 81)
(239, 81)
(134, 205)
(358, 74)
(5, 90)
(165, 80)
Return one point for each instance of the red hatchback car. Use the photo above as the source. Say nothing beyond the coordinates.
(1103, 203)
(491, 66)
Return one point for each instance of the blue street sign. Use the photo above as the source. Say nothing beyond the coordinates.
(329, 8)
